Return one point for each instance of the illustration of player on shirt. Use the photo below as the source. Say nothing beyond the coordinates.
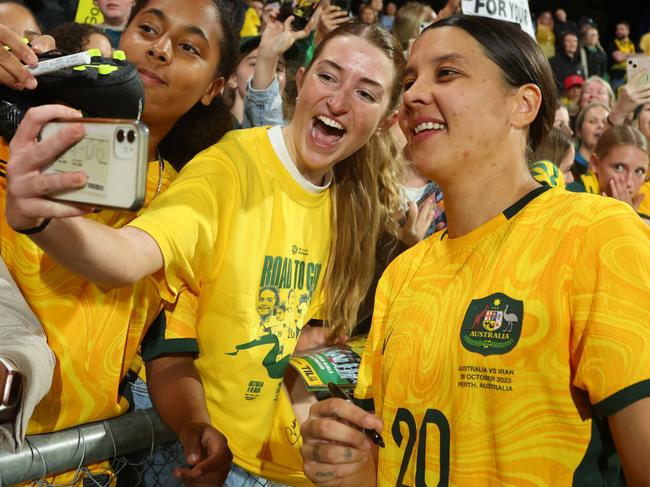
(271, 310)
(268, 299)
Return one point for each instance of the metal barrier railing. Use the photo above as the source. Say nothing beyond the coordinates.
(90, 443)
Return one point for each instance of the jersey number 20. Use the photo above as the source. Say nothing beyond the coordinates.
(431, 417)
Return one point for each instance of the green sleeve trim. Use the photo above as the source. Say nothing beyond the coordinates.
(155, 344)
(622, 399)
(177, 345)
(643, 215)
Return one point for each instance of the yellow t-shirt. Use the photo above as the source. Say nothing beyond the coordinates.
(625, 46)
(251, 25)
(492, 355)
(94, 332)
(252, 241)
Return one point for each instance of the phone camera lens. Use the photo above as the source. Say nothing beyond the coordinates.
(130, 136)
(120, 135)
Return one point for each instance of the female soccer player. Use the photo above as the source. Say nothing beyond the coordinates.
(507, 349)
(297, 209)
(183, 52)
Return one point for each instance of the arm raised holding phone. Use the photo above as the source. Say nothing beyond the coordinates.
(72, 241)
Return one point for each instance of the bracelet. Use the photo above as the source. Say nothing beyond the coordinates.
(31, 231)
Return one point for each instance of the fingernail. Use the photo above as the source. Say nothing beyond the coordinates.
(79, 178)
(193, 458)
(31, 83)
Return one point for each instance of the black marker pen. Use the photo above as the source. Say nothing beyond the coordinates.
(370, 433)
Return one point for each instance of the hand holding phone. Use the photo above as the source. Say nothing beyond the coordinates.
(112, 154)
(635, 92)
(302, 11)
(638, 70)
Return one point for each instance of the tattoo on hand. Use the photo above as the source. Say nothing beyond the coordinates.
(317, 452)
(347, 454)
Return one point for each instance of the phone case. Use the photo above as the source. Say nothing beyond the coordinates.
(636, 65)
(113, 154)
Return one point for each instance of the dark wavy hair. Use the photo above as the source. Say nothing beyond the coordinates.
(72, 37)
(201, 126)
(520, 59)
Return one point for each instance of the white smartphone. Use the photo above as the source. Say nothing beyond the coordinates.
(113, 154)
(638, 64)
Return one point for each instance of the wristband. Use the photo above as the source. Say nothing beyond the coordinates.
(33, 230)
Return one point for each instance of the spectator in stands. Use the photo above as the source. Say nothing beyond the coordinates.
(567, 59)
(95, 332)
(116, 14)
(19, 19)
(596, 89)
(644, 43)
(618, 165)
(642, 120)
(557, 148)
(388, 18)
(238, 208)
(256, 88)
(408, 20)
(572, 87)
(562, 119)
(591, 122)
(439, 336)
(377, 6)
(562, 25)
(619, 50)
(544, 33)
(252, 19)
(592, 55)
(73, 37)
(367, 14)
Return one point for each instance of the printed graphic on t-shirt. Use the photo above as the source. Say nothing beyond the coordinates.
(285, 293)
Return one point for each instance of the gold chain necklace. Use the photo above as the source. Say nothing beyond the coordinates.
(161, 169)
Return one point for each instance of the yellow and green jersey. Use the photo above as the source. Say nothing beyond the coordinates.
(493, 358)
(251, 239)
